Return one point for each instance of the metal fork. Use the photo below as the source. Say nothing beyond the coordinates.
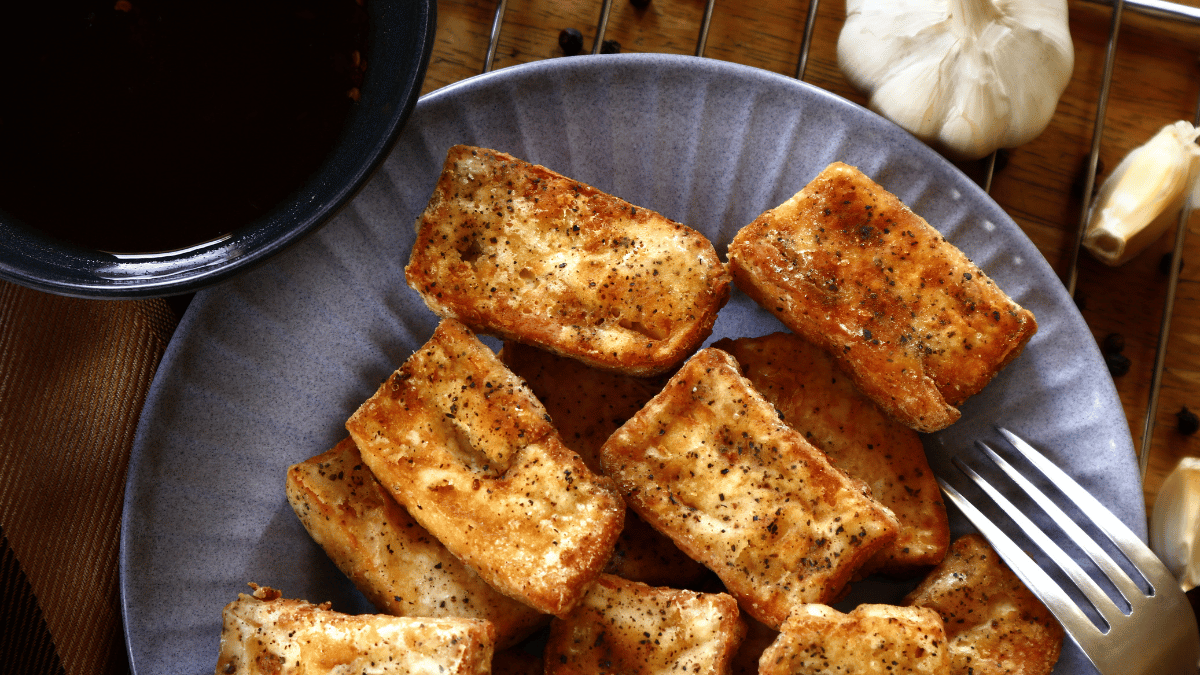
(1155, 632)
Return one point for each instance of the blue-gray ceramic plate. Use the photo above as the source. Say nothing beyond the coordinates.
(265, 369)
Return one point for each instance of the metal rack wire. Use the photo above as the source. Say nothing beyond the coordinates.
(1160, 9)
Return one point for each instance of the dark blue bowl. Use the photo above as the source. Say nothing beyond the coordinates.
(401, 40)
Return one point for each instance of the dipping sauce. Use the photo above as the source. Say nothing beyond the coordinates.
(151, 125)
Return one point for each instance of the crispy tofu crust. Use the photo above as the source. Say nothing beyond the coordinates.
(516, 250)
(849, 267)
(629, 628)
(709, 463)
(994, 624)
(264, 634)
(882, 639)
(817, 399)
(464, 445)
(587, 406)
(401, 568)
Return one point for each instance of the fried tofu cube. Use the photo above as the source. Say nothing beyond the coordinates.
(709, 463)
(629, 628)
(817, 399)
(515, 250)
(587, 406)
(870, 640)
(265, 634)
(401, 568)
(994, 624)
(847, 266)
(464, 445)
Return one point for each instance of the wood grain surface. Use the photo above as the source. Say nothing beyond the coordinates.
(1156, 80)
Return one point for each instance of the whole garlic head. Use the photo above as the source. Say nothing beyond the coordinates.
(966, 76)
(1175, 523)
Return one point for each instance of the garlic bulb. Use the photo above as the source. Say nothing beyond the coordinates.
(1141, 199)
(1175, 523)
(965, 76)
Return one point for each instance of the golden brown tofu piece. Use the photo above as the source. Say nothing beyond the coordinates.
(709, 463)
(870, 640)
(464, 445)
(994, 624)
(587, 405)
(516, 250)
(847, 266)
(818, 400)
(401, 568)
(631, 628)
(264, 634)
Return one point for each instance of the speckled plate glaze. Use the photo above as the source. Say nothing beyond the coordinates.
(265, 369)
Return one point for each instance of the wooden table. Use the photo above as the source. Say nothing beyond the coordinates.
(1155, 81)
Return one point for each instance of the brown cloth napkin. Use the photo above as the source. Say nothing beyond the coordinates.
(74, 374)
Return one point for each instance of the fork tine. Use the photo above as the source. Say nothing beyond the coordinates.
(1159, 634)
(1119, 578)
(1073, 620)
(1103, 604)
(1138, 553)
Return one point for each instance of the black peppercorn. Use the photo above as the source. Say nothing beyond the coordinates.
(1114, 343)
(1164, 263)
(610, 47)
(571, 41)
(640, 4)
(1118, 364)
(1187, 422)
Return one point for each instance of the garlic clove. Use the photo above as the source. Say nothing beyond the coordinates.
(1143, 196)
(1175, 523)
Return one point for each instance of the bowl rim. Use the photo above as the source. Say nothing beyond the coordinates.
(401, 38)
